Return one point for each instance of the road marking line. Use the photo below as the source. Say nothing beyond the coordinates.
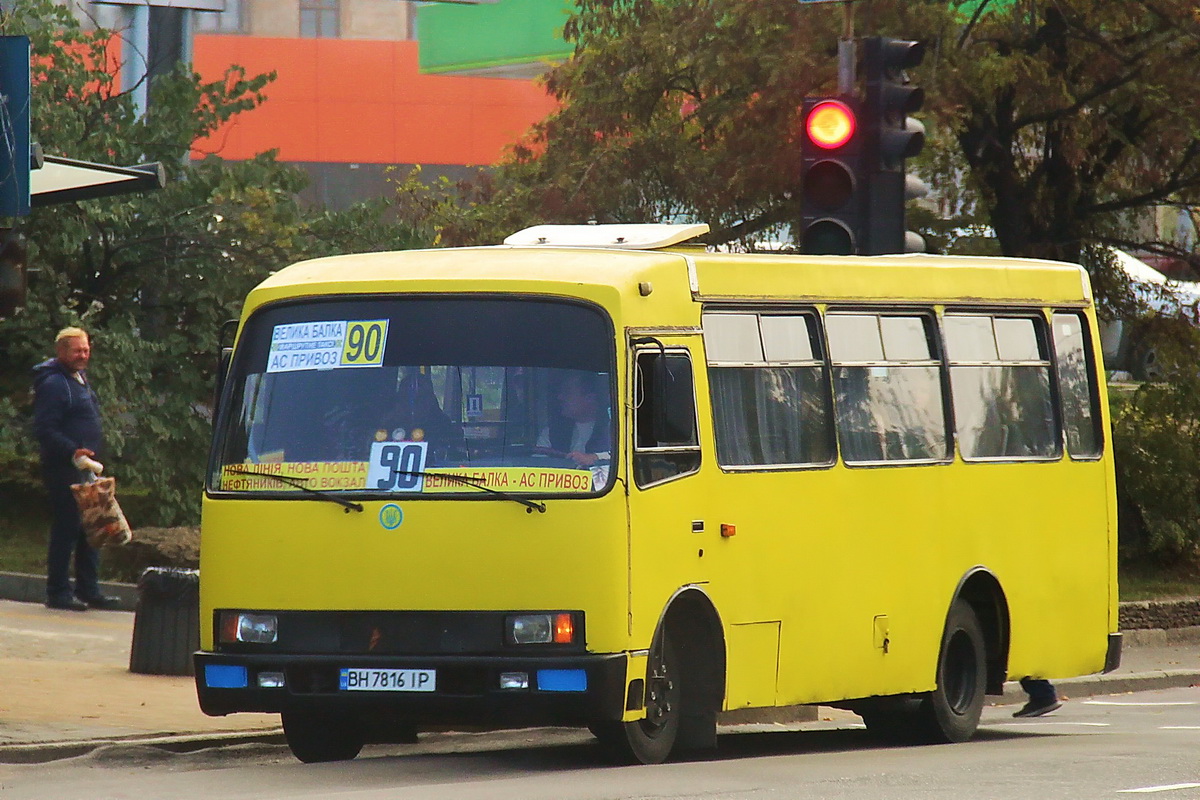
(1056, 722)
(59, 635)
(1168, 788)
(1179, 727)
(1126, 703)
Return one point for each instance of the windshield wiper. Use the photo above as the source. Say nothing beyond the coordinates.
(292, 480)
(467, 480)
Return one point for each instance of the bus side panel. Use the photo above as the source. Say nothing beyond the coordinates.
(860, 567)
(826, 551)
(1058, 579)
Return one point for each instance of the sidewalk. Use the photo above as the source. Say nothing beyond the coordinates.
(66, 686)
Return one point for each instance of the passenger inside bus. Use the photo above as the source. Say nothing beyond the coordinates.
(579, 429)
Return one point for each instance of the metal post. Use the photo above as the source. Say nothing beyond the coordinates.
(135, 50)
(846, 53)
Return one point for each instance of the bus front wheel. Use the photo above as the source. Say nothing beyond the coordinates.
(950, 713)
(649, 740)
(315, 738)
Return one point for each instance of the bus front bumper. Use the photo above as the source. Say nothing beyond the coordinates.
(468, 690)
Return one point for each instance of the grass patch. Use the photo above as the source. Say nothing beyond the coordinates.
(24, 526)
(24, 530)
(1159, 583)
(23, 554)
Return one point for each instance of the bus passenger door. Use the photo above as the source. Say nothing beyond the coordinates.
(669, 529)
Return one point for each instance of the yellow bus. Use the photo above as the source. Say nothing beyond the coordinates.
(597, 476)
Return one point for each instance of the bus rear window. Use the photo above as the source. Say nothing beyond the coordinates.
(388, 394)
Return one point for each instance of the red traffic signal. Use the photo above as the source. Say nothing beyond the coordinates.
(831, 180)
(830, 124)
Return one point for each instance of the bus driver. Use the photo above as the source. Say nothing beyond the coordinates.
(580, 429)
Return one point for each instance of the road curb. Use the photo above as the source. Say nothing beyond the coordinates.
(43, 752)
(1091, 685)
(25, 588)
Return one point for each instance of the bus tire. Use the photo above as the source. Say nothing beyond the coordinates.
(950, 713)
(649, 740)
(315, 738)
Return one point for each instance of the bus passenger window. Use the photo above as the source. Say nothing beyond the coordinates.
(1000, 382)
(887, 388)
(1075, 386)
(665, 438)
(770, 395)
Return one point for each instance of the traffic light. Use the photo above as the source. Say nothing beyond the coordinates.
(831, 208)
(890, 136)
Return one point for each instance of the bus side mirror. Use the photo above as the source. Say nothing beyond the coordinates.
(224, 356)
(666, 401)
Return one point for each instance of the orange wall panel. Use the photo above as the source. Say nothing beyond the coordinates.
(356, 70)
(366, 129)
(355, 101)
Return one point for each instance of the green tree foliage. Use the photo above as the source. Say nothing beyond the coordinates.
(1157, 448)
(1073, 115)
(1051, 122)
(151, 276)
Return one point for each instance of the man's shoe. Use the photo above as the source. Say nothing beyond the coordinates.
(1036, 708)
(104, 603)
(66, 604)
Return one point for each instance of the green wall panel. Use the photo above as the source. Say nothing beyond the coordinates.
(456, 38)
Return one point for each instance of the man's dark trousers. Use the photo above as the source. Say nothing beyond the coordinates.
(67, 537)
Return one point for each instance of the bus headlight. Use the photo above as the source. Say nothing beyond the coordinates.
(556, 628)
(239, 626)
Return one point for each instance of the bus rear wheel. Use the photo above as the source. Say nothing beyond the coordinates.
(950, 713)
(649, 740)
(314, 738)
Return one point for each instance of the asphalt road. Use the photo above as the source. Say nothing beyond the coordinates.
(1145, 743)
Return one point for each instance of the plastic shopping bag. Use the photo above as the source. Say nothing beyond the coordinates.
(103, 521)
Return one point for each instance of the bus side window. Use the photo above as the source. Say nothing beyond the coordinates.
(1076, 385)
(1000, 382)
(770, 395)
(887, 388)
(666, 444)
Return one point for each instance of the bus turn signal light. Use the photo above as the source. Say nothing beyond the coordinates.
(564, 629)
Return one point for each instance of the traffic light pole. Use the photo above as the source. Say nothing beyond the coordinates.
(846, 53)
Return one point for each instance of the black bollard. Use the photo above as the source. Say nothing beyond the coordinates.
(166, 624)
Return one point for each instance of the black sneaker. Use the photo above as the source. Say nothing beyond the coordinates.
(66, 604)
(1036, 708)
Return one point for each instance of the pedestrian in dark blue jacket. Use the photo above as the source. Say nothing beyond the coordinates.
(66, 420)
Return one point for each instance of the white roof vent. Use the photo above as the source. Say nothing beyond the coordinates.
(637, 236)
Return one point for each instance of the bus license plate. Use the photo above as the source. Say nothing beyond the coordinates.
(387, 680)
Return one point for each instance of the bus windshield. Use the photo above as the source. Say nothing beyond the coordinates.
(413, 394)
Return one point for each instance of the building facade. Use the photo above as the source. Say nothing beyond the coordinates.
(349, 100)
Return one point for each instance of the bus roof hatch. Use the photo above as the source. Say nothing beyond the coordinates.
(634, 236)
